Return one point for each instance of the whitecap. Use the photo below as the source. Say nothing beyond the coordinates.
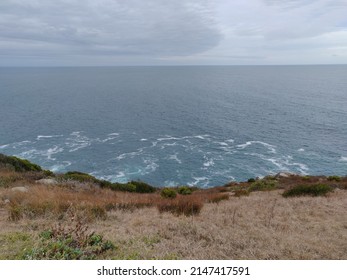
(198, 180)
(4, 146)
(301, 150)
(151, 165)
(175, 158)
(113, 134)
(230, 140)
(208, 163)
(343, 159)
(60, 166)
(143, 139)
(170, 183)
(39, 137)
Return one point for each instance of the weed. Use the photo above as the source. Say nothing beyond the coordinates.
(241, 192)
(185, 190)
(181, 206)
(72, 242)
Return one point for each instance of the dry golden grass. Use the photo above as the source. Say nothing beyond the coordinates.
(263, 225)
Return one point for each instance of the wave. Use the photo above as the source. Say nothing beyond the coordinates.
(39, 137)
(343, 159)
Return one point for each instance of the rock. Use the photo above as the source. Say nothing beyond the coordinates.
(20, 189)
(283, 175)
(47, 181)
(7, 201)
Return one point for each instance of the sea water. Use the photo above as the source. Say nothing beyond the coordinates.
(192, 125)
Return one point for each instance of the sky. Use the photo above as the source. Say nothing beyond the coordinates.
(167, 32)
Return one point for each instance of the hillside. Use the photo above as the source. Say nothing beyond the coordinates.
(76, 216)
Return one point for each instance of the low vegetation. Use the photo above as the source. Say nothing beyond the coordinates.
(312, 190)
(134, 220)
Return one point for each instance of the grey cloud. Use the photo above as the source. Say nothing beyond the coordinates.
(150, 27)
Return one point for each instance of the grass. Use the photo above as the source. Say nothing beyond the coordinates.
(311, 190)
(263, 185)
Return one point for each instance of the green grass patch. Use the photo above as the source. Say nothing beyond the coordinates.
(263, 185)
(310, 190)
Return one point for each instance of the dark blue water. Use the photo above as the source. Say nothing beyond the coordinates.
(177, 125)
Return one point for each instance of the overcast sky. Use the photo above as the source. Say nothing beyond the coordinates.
(172, 32)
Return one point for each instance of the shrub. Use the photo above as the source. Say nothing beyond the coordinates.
(251, 180)
(69, 243)
(239, 193)
(181, 206)
(334, 178)
(80, 177)
(142, 187)
(312, 190)
(216, 198)
(263, 185)
(185, 190)
(128, 187)
(19, 165)
(168, 193)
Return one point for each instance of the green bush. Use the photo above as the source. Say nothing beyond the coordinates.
(168, 193)
(251, 180)
(263, 185)
(19, 165)
(142, 187)
(312, 190)
(184, 190)
(80, 177)
(69, 243)
(123, 187)
(334, 178)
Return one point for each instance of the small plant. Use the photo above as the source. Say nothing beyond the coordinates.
(142, 187)
(69, 243)
(181, 206)
(241, 192)
(263, 185)
(251, 180)
(334, 178)
(128, 187)
(312, 190)
(184, 190)
(168, 193)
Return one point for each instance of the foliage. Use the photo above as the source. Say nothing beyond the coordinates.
(334, 178)
(168, 193)
(73, 242)
(263, 185)
(19, 165)
(80, 176)
(128, 187)
(251, 180)
(241, 192)
(142, 187)
(312, 190)
(185, 190)
(216, 198)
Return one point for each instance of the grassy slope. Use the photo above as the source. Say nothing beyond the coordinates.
(262, 225)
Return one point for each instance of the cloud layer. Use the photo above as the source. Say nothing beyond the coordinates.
(117, 32)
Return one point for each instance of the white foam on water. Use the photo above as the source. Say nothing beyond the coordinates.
(39, 137)
(221, 143)
(113, 134)
(301, 150)
(4, 146)
(175, 158)
(343, 159)
(52, 151)
(208, 163)
(151, 165)
(230, 140)
(170, 183)
(60, 166)
(130, 155)
(270, 147)
(198, 180)
(143, 139)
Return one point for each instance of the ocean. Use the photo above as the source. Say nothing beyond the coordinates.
(179, 125)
